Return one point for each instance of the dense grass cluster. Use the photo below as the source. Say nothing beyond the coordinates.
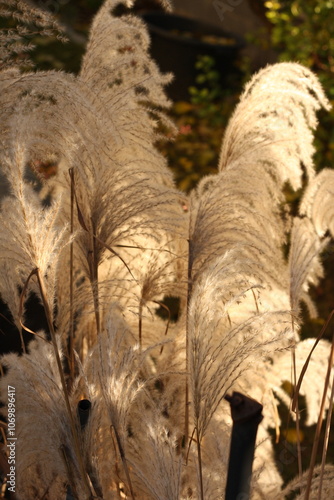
(115, 400)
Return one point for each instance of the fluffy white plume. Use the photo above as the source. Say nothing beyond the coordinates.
(304, 263)
(317, 202)
(45, 446)
(272, 124)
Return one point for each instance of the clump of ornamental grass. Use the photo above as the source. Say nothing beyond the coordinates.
(112, 400)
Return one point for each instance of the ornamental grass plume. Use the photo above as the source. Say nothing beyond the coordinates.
(104, 239)
(42, 419)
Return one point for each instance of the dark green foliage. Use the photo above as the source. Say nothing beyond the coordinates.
(304, 32)
(201, 122)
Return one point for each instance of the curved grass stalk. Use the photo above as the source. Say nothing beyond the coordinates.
(63, 383)
(325, 447)
(319, 423)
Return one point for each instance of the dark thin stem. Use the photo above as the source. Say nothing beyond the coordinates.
(256, 303)
(187, 403)
(71, 333)
(199, 457)
(319, 423)
(62, 379)
(299, 452)
(325, 447)
(22, 342)
(125, 464)
(140, 324)
(301, 376)
(161, 304)
(117, 470)
(189, 445)
(70, 473)
(93, 267)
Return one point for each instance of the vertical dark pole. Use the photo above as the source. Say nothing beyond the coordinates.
(246, 415)
(83, 411)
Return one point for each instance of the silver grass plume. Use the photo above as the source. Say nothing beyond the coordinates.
(227, 214)
(237, 215)
(128, 84)
(158, 477)
(118, 201)
(278, 104)
(233, 333)
(317, 202)
(304, 262)
(124, 413)
(45, 449)
(32, 237)
(142, 293)
(272, 123)
(113, 385)
(298, 484)
(308, 236)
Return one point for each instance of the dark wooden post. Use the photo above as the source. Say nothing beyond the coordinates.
(246, 415)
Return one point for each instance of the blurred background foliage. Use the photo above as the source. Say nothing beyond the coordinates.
(304, 32)
(298, 31)
(201, 121)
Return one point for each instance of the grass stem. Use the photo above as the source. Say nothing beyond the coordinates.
(63, 382)
(200, 469)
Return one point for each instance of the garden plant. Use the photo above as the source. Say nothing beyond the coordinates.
(115, 397)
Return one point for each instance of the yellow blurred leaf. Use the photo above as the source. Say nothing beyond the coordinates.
(182, 107)
(291, 435)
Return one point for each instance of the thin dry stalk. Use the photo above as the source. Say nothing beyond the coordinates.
(125, 464)
(117, 470)
(70, 473)
(325, 447)
(63, 382)
(93, 267)
(190, 443)
(200, 469)
(319, 423)
(92, 257)
(140, 324)
(22, 297)
(256, 302)
(71, 333)
(301, 376)
(189, 291)
(299, 452)
(168, 321)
